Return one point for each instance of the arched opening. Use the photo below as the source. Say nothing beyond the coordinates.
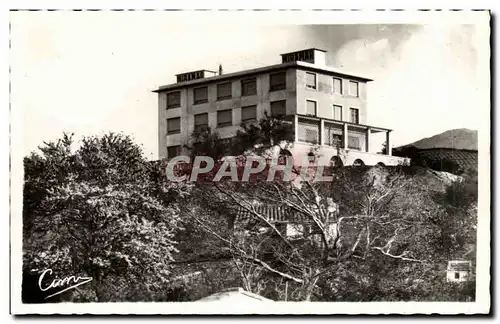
(283, 157)
(358, 162)
(336, 162)
(380, 164)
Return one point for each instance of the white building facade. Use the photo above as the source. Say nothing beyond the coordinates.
(328, 108)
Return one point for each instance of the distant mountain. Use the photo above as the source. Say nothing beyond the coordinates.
(458, 139)
(453, 151)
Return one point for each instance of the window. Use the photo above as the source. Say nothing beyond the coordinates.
(224, 118)
(336, 162)
(173, 151)
(353, 142)
(277, 81)
(173, 99)
(354, 115)
(310, 80)
(308, 131)
(337, 112)
(200, 95)
(174, 125)
(248, 114)
(336, 140)
(353, 88)
(337, 85)
(311, 107)
(278, 108)
(294, 230)
(457, 275)
(284, 157)
(248, 87)
(201, 121)
(224, 91)
(358, 162)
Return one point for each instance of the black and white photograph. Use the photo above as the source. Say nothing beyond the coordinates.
(250, 162)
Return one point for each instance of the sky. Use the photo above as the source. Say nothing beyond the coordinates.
(91, 73)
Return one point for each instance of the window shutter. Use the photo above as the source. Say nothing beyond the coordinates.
(311, 107)
(308, 131)
(311, 80)
(224, 90)
(174, 99)
(200, 95)
(278, 108)
(249, 87)
(337, 85)
(173, 125)
(337, 112)
(354, 115)
(173, 151)
(225, 118)
(249, 113)
(277, 81)
(201, 120)
(353, 89)
(353, 142)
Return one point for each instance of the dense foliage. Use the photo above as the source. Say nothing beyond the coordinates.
(94, 212)
(102, 210)
(255, 137)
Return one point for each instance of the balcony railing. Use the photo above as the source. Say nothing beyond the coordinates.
(338, 134)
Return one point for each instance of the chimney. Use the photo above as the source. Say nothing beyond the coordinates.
(220, 69)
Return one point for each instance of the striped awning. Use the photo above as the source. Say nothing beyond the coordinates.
(282, 214)
(459, 265)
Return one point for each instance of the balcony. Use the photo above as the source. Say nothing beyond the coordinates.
(337, 134)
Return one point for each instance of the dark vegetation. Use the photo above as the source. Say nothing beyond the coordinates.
(373, 234)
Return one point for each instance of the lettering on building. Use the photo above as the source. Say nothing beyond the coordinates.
(305, 56)
(190, 76)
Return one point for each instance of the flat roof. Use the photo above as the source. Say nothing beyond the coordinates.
(204, 70)
(269, 68)
(374, 129)
(307, 49)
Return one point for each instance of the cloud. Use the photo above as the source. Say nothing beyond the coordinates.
(424, 84)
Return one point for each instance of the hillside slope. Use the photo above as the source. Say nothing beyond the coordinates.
(458, 139)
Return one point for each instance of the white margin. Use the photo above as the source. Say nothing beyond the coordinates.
(482, 303)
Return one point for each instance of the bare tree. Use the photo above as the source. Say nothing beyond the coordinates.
(351, 218)
(363, 214)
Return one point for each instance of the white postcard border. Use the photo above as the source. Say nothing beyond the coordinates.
(482, 303)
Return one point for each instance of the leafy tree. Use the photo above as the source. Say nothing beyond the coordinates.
(94, 212)
(42, 172)
(256, 137)
(269, 131)
(209, 143)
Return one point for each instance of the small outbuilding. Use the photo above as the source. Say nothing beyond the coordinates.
(458, 271)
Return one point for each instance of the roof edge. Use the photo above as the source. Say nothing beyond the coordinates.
(306, 49)
(294, 64)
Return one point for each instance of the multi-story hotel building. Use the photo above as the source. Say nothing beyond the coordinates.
(327, 107)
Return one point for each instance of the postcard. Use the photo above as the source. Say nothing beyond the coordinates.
(250, 162)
